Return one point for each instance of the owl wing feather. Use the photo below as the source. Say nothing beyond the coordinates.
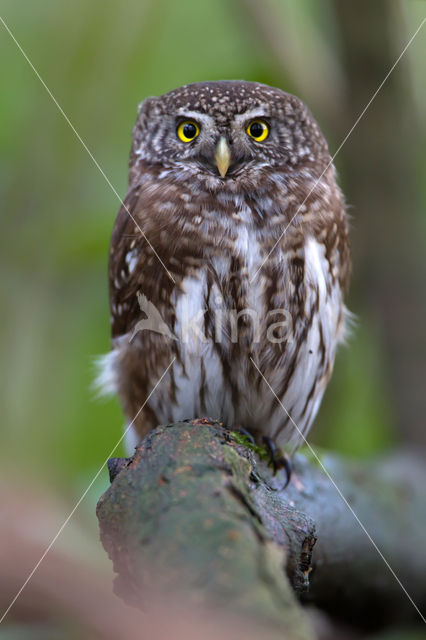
(125, 262)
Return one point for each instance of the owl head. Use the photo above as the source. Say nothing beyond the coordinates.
(227, 131)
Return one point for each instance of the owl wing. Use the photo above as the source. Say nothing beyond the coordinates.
(126, 260)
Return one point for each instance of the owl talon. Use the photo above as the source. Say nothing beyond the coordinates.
(278, 460)
(245, 433)
(283, 462)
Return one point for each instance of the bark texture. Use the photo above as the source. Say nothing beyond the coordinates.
(193, 515)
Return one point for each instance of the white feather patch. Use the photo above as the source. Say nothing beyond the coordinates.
(106, 381)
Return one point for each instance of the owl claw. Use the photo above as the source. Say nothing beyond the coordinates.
(244, 432)
(278, 460)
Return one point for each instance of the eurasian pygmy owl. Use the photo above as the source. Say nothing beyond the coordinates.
(234, 234)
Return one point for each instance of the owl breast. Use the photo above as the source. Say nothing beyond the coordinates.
(223, 317)
(245, 297)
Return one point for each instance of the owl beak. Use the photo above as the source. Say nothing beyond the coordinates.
(222, 156)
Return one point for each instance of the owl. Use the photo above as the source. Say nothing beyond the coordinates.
(228, 264)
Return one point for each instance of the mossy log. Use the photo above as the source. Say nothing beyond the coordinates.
(193, 514)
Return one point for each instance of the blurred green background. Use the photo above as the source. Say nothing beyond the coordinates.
(100, 58)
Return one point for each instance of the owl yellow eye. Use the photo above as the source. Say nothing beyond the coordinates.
(258, 130)
(188, 130)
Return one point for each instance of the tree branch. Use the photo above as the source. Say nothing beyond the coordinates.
(193, 514)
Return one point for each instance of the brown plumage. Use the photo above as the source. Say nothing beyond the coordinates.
(205, 254)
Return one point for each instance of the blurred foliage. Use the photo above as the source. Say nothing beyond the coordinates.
(100, 59)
